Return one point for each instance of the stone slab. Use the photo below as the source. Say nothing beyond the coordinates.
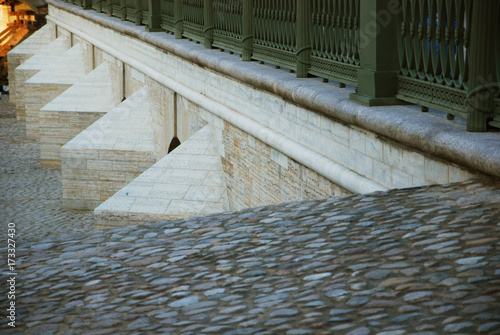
(45, 56)
(187, 182)
(73, 111)
(22, 52)
(109, 154)
(48, 83)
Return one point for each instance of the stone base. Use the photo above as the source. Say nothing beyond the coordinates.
(47, 84)
(109, 154)
(20, 54)
(188, 182)
(45, 56)
(73, 111)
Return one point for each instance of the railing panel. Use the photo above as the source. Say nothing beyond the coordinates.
(274, 32)
(167, 15)
(145, 12)
(130, 16)
(335, 39)
(228, 24)
(97, 5)
(116, 8)
(434, 37)
(192, 11)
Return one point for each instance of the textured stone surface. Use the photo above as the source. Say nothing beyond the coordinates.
(73, 111)
(185, 183)
(428, 135)
(412, 261)
(31, 196)
(109, 154)
(20, 54)
(42, 58)
(48, 83)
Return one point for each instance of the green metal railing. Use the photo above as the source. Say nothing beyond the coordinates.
(435, 53)
(433, 39)
(335, 40)
(167, 15)
(274, 29)
(228, 25)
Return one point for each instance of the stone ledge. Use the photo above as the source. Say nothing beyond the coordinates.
(436, 136)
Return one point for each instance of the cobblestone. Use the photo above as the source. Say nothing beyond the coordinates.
(30, 196)
(411, 261)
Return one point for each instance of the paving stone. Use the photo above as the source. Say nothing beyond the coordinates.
(410, 261)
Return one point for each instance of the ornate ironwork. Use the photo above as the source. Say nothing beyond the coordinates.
(228, 24)
(335, 46)
(334, 39)
(192, 11)
(440, 61)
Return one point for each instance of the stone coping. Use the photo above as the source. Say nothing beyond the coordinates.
(434, 135)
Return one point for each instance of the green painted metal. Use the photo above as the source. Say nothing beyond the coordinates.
(482, 74)
(137, 12)
(433, 39)
(167, 15)
(247, 30)
(109, 7)
(154, 17)
(193, 20)
(179, 21)
(303, 32)
(97, 5)
(228, 24)
(274, 32)
(378, 54)
(436, 53)
(123, 10)
(87, 4)
(208, 20)
(335, 40)
(145, 12)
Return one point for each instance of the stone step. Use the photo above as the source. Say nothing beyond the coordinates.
(188, 182)
(45, 56)
(47, 84)
(109, 154)
(73, 111)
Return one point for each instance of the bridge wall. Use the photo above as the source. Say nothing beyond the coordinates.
(273, 146)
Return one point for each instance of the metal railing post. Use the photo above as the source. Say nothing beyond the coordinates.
(247, 30)
(154, 19)
(303, 33)
(138, 12)
(178, 19)
(87, 4)
(99, 6)
(482, 83)
(378, 53)
(208, 20)
(109, 8)
(123, 9)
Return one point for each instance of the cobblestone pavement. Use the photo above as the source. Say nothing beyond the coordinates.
(417, 261)
(30, 196)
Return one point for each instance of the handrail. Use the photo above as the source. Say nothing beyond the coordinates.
(391, 51)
